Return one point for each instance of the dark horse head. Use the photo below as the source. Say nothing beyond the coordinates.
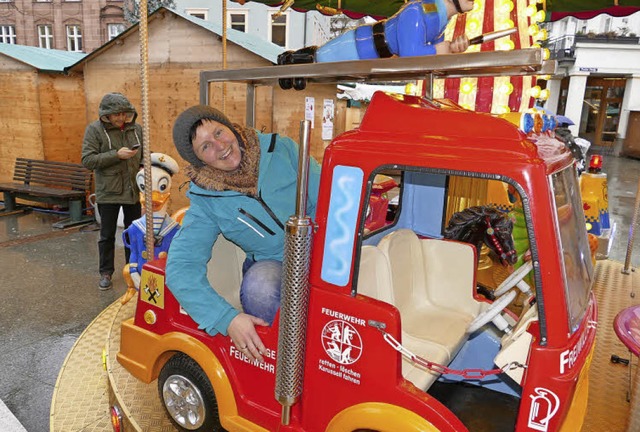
(480, 224)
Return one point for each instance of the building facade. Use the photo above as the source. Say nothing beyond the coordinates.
(70, 25)
(291, 30)
(597, 84)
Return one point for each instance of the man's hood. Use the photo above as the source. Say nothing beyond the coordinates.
(114, 103)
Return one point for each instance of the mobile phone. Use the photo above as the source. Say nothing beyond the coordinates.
(135, 146)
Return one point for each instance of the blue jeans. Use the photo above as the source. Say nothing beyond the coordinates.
(260, 289)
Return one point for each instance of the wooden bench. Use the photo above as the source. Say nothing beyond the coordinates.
(59, 183)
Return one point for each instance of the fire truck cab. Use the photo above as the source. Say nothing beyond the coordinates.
(394, 335)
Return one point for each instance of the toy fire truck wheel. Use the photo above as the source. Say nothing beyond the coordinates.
(513, 279)
(493, 311)
(187, 395)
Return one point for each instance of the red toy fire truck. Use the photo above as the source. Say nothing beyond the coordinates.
(381, 328)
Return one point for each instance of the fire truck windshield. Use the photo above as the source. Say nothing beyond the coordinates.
(574, 247)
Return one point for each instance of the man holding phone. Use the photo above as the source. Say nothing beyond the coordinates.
(111, 149)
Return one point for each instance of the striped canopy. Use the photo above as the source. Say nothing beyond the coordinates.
(583, 9)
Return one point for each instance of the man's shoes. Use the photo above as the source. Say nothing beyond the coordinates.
(105, 282)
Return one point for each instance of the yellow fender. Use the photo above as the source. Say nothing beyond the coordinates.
(381, 417)
(159, 349)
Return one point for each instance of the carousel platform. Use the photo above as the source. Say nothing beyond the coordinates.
(91, 381)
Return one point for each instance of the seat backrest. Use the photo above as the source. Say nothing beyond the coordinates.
(225, 270)
(374, 275)
(404, 253)
(450, 268)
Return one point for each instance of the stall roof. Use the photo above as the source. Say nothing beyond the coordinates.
(49, 60)
(256, 45)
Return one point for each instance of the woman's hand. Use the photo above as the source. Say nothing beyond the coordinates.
(243, 333)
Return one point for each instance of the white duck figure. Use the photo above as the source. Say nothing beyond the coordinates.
(163, 167)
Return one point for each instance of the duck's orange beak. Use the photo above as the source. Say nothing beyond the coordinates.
(158, 200)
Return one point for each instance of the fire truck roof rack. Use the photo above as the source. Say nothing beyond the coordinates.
(496, 63)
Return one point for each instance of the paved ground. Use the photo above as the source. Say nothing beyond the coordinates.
(48, 294)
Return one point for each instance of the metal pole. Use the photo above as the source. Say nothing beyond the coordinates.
(146, 151)
(294, 302)
(224, 54)
(303, 169)
(250, 111)
(632, 232)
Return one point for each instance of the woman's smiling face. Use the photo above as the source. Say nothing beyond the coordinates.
(217, 146)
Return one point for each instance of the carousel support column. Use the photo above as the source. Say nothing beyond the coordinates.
(575, 96)
(553, 85)
(631, 94)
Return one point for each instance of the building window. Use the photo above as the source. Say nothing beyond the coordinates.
(7, 34)
(45, 36)
(607, 25)
(74, 38)
(237, 20)
(278, 29)
(113, 30)
(198, 13)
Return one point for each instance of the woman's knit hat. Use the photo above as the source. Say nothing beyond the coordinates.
(184, 123)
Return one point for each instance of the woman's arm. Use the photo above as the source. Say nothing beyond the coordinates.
(186, 270)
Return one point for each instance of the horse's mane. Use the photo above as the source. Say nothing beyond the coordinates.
(465, 223)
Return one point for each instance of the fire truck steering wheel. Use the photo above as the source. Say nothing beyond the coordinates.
(516, 279)
(493, 311)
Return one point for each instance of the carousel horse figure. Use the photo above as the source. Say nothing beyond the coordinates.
(164, 226)
(482, 224)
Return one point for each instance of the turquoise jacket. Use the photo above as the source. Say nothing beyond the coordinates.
(254, 223)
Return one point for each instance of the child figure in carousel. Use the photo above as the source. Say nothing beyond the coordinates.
(417, 29)
(163, 167)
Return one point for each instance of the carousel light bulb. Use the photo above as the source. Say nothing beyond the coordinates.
(411, 89)
(506, 89)
(546, 54)
(535, 45)
(543, 34)
(533, 29)
(544, 94)
(505, 6)
(500, 24)
(473, 25)
(476, 6)
(539, 16)
(530, 10)
(534, 92)
(503, 109)
(466, 106)
(466, 88)
(505, 45)
(542, 2)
